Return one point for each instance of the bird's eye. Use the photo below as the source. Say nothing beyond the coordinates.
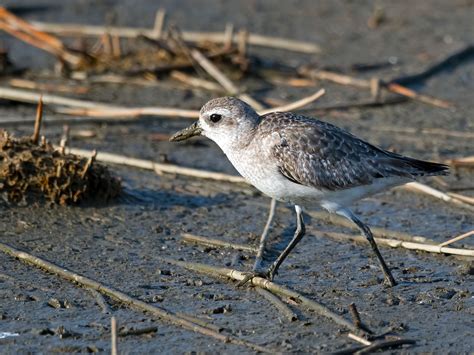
(215, 117)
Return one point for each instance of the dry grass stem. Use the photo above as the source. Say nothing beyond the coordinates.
(106, 44)
(132, 112)
(158, 167)
(89, 163)
(196, 239)
(295, 105)
(199, 321)
(458, 238)
(116, 50)
(38, 120)
(374, 346)
(113, 337)
(195, 82)
(343, 79)
(428, 190)
(33, 85)
(436, 248)
(228, 35)
(355, 315)
(159, 23)
(114, 79)
(91, 108)
(226, 83)
(358, 339)
(30, 34)
(375, 89)
(463, 198)
(139, 331)
(242, 41)
(126, 299)
(402, 90)
(33, 97)
(462, 162)
(106, 111)
(337, 78)
(293, 82)
(384, 344)
(76, 30)
(275, 301)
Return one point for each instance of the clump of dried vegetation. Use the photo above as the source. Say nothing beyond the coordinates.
(32, 172)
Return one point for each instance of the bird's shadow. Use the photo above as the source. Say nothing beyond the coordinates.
(156, 199)
(166, 198)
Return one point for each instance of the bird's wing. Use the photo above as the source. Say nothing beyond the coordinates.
(318, 154)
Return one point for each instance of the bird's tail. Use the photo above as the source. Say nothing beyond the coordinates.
(415, 167)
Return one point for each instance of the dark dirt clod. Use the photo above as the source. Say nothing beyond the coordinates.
(30, 172)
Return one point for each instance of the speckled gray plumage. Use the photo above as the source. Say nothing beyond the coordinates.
(318, 154)
(236, 107)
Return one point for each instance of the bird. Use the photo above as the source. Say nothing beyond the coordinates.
(306, 162)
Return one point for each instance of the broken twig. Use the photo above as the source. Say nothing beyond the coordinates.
(355, 315)
(359, 339)
(274, 300)
(38, 119)
(139, 331)
(456, 239)
(464, 162)
(215, 242)
(113, 336)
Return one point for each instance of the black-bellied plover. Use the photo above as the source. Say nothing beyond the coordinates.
(305, 162)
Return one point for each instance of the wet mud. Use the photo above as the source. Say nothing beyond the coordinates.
(121, 243)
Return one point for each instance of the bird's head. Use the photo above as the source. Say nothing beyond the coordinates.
(227, 121)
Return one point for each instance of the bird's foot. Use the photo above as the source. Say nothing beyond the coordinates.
(250, 275)
(272, 272)
(268, 275)
(389, 280)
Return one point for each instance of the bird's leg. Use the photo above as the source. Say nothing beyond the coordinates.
(299, 233)
(257, 267)
(263, 238)
(368, 234)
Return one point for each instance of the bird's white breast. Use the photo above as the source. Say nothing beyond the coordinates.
(257, 165)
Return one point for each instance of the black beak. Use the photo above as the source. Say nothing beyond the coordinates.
(191, 131)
